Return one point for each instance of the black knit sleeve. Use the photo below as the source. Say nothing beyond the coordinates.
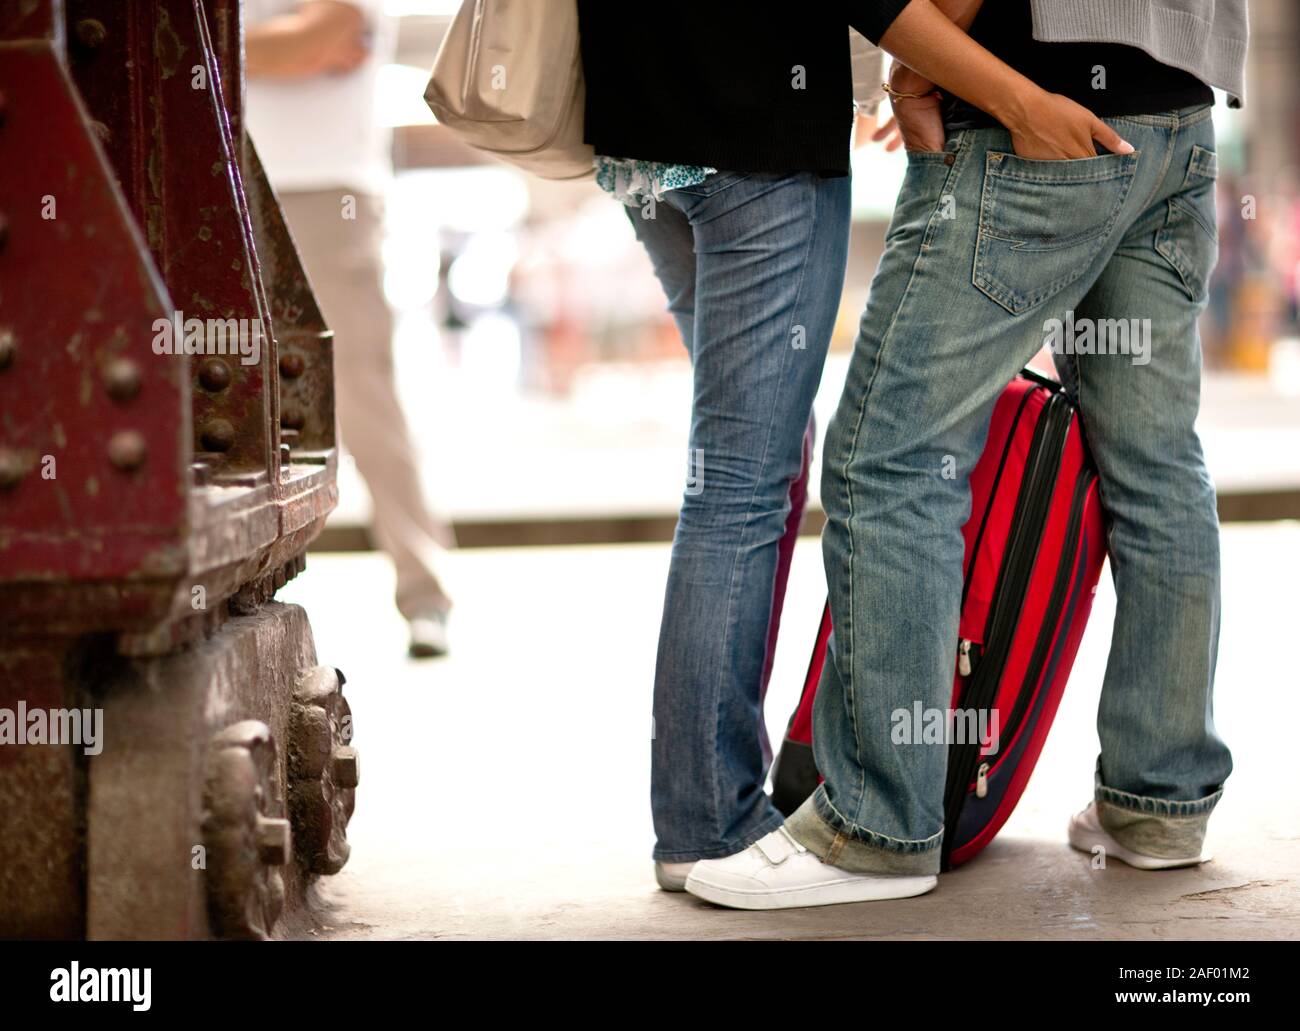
(872, 18)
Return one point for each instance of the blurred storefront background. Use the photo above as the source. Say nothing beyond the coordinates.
(547, 386)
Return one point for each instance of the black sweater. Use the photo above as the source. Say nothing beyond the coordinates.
(753, 87)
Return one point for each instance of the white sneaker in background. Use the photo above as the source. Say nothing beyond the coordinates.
(1087, 835)
(776, 872)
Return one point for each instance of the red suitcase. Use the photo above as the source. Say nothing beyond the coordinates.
(1035, 545)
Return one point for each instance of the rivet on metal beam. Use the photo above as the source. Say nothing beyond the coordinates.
(291, 417)
(8, 347)
(292, 366)
(122, 379)
(217, 435)
(12, 468)
(91, 32)
(127, 449)
(214, 374)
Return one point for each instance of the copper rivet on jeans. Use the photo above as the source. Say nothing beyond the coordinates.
(950, 159)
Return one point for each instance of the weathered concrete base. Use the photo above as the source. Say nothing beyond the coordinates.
(222, 787)
(42, 807)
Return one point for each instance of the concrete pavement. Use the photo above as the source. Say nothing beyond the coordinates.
(504, 790)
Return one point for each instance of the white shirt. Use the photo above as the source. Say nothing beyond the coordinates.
(323, 132)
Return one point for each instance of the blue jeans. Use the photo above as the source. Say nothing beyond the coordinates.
(984, 250)
(752, 264)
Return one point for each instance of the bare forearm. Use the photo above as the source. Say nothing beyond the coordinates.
(930, 42)
(304, 42)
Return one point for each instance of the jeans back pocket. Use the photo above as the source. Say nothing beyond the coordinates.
(1189, 239)
(1043, 222)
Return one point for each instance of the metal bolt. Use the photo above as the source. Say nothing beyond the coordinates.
(214, 374)
(346, 767)
(91, 32)
(291, 417)
(126, 449)
(273, 840)
(217, 435)
(292, 366)
(8, 347)
(12, 468)
(122, 379)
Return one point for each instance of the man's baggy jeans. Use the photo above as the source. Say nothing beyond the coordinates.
(753, 265)
(985, 249)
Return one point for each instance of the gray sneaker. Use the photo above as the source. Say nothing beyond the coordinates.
(1088, 835)
(672, 876)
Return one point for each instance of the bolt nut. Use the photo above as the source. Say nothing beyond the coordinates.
(8, 347)
(292, 366)
(214, 374)
(12, 468)
(217, 435)
(273, 840)
(346, 767)
(127, 450)
(91, 32)
(122, 379)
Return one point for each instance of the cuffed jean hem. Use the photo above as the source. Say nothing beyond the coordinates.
(824, 832)
(743, 842)
(1157, 827)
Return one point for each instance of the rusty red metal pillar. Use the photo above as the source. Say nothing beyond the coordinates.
(155, 490)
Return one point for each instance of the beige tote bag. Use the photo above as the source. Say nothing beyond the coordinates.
(508, 80)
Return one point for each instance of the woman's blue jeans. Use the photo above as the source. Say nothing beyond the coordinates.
(753, 265)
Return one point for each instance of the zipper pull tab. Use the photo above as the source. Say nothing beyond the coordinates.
(963, 658)
(982, 781)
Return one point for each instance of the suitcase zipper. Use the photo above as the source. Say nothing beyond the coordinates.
(1051, 619)
(1032, 507)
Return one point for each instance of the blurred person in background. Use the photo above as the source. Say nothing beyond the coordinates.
(311, 109)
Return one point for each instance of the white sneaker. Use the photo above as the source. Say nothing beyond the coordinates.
(672, 876)
(1087, 834)
(776, 872)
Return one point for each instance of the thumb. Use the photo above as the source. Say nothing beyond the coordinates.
(1109, 138)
